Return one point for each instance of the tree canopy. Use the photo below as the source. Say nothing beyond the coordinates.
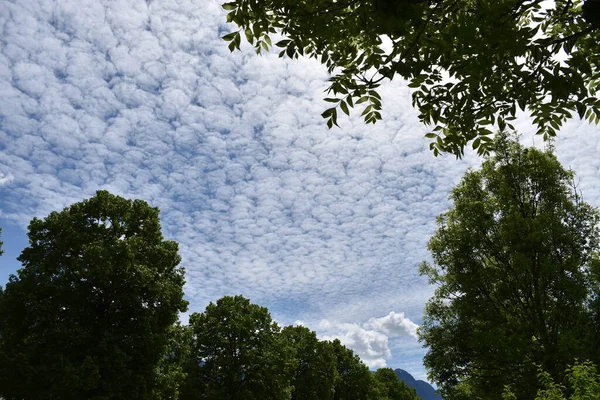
(391, 387)
(355, 381)
(88, 315)
(472, 64)
(237, 353)
(315, 373)
(517, 269)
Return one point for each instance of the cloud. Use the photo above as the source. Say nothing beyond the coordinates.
(394, 324)
(371, 340)
(5, 179)
(371, 346)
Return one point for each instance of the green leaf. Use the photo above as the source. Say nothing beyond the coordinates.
(249, 35)
(344, 107)
(230, 36)
(283, 43)
(229, 6)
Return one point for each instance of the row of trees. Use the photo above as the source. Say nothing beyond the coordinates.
(515, 315)
(516, 259)
(93, 312)
(238, 352)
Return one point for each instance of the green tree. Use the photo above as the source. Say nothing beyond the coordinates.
(472, 63)
(516, 264)
(88, 315)
(391, 387)
(170, 373)
(1, 243)
(238, 353)
(355, 381)
(315, 374)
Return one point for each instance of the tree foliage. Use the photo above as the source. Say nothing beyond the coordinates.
(89, 314)
(355, 381)
(170, 373)
(237, 353)
(472, 63)
(315, 373)
(582, 383)
(390, 387)
(516, 264)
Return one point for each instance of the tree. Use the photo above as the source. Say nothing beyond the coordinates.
(471, 63)
(237, 353)
(88, 315)
(1, 243)
(392, 388)
(355, 381)
(315, 374)
(516, 264)
(170, 373)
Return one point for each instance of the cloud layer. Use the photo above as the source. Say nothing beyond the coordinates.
(144, 99)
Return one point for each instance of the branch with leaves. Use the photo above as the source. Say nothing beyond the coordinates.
(471, 64)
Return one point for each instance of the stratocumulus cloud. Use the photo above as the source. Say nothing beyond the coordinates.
(143, 98)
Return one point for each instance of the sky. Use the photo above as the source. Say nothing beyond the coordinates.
(326, 228)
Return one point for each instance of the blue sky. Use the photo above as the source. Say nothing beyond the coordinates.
(324, 227)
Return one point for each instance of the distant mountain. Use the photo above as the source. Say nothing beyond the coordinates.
(424, 389)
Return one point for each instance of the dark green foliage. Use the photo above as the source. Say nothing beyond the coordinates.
(392, 388)
(516, 266)
(89, 315)
(1, 243)
(171, 370)
(582, 382)
(355, 381)
(315, 374)
(501, 56)
(237, 353)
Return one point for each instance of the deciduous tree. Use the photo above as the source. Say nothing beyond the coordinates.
(88, 315)
(315, 374)
(238, 353)
(516, 269)
(355, 381)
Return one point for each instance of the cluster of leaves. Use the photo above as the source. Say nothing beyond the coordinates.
(92, 314)
(472, 64)
(518, 278)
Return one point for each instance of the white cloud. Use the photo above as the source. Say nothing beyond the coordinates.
(371, 339)
(371, 346)
(394, 324)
